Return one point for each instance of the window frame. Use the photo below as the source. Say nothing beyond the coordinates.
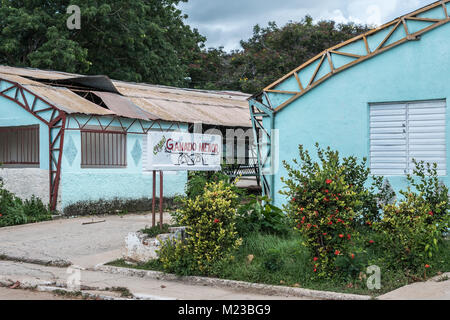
(408, 106)
(119, 155)
(34, 153)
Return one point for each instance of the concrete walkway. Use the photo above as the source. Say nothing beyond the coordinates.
(71, 241)
(31, 275)
(434, 289)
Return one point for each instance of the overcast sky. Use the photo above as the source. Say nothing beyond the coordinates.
(225, 22)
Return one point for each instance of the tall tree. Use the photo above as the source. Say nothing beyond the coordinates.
(269, 54)
(139, 40)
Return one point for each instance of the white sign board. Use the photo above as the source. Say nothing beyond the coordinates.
(178, 151)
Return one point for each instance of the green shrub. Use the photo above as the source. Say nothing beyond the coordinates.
(325, 205)
(14, 211)
(197, 180)
(432, 191)
(35, 210)
(258, 215)
(413, 229)
(211, 232)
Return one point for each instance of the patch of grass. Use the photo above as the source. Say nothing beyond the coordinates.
(68, 294)
(284, 261)
(156, 230)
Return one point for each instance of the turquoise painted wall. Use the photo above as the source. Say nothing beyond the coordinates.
(14, 115)
(81, 184)
(336, 112)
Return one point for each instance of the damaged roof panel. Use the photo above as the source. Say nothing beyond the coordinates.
(124, 107)
(68, 101)
(133, 100)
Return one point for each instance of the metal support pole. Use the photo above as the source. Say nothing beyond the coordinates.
(153, 199)
(161, 196)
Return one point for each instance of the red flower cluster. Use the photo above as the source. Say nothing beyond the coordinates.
(328, 181)
(216, 220)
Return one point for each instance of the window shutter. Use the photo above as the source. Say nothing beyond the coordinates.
(388, 139)
(426, 122)
(406, 131)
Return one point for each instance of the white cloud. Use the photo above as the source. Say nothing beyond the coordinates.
(226, 22)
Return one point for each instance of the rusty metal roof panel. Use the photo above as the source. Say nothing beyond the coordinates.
(68, 101)
(37, 73)
(187, 105)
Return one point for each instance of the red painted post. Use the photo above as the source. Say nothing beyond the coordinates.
(161, 196)
(154, 200)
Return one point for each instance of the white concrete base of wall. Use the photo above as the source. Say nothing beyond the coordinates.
(26, 182)
(140, 248)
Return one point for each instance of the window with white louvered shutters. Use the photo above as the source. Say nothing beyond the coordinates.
(401, 132)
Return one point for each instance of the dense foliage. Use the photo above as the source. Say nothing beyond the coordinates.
(211, 232)
(15, 211)
(414, 229)
(268, 55)
(149, 41)
(141, 40)
(348, 223)
(326, 200)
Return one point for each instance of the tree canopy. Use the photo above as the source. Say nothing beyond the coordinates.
(149, 41)
(139, 40)
(269, 54)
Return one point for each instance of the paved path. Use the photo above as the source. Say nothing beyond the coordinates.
(70, 240)
(433, 289)
(30, 275)
(86, 246)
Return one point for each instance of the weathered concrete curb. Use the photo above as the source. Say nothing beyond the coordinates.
(241, 285)
(51, 263)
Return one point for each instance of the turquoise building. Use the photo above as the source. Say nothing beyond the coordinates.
(382, 95)
(69, 138)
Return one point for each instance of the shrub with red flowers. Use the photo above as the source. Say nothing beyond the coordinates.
(325, 206)
(413, 228)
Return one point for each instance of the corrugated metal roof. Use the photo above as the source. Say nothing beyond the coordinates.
(68, 101)
(186, 105)
(140, 101)
(62, 98)
(123, 106)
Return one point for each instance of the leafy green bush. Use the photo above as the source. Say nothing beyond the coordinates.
(325, 200)
(14, 211)
(432, 191)
(211, 232)
(197, 180)
(413, 229)
(258, 215)
(35, 210)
